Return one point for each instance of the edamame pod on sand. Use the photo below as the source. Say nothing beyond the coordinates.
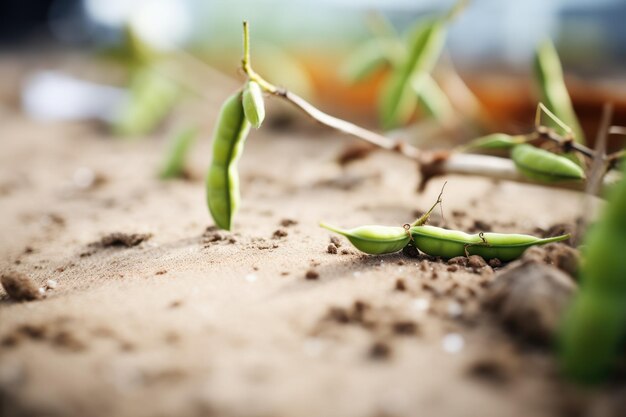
(539, 164)
(253, 104)
(374, 240)
(222, 182)
(436, 241)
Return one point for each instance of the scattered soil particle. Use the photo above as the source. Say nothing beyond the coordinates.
(529, 298)
(338, 314)
(175, 304)
(458, 213)
(331, 249)
(476, 262)
(288, 222)
(379, 351)
(20, 287)
(161, 272)
(67, 341)
(312, 274)
(210, 235)
(404, 327)
(557, 254)
(346, 252)
(335, 241)
(410, 251)
(122, 239)
(400, 285)
(452, 268)
(495, 263)
(490, 370)
(480, 226)
(458, 260)
(279, 233)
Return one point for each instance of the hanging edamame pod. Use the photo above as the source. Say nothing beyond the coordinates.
(494, 141)
(374, 240)
(253, 104)
(398, 99)
(175, 163)
(553, 92)
(541, 165)
(223, 179)
(594, 330)
(436, 241)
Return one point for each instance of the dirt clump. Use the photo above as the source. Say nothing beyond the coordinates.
(312, 274)
(529, 297)
(557, 254)
(120, 239)
(20, 287)
(332, 249)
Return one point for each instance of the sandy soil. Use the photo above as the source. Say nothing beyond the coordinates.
(263, 321)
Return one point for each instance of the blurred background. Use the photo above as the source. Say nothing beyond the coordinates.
(301, 44)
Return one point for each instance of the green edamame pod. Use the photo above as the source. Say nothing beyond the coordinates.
(374, 240)
(554, 95)
(541, 165)
(594, 329)
(151, 98)
(253, 104)
(431, 98)
(398, 99)
(495, 141)
(436, 241)
(175, 162)
(223, 179)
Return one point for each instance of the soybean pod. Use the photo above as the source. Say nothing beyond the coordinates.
(541, 165)
(374, 240)
(222, 181)
(253, 104)
(436, 241)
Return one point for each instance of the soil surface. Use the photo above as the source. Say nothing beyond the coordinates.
(148, 310)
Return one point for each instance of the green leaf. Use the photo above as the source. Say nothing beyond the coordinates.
(431, 98)
(552, 89)
(398, 98)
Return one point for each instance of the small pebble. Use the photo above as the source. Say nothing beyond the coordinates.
(312, 274)
(400, 285)
(51, 284)
(332, 249)
(452, 343)
(20, 287)
(476, 262)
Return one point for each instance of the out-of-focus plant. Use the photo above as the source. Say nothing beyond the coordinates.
(174, 164)
(410, 59)
(553, 92)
